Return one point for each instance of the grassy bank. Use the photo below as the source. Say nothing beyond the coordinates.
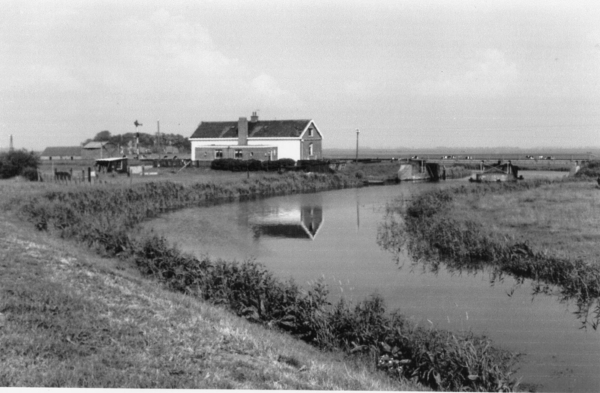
(69, 318)
(102, 217)
(541, 230)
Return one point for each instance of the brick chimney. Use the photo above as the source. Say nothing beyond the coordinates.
(243, 131)
(254, 117)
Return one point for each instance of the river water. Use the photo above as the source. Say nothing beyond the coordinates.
(333, 236)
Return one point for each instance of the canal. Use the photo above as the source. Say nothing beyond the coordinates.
(333, 236)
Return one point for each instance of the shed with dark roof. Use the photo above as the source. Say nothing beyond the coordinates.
(95, 150)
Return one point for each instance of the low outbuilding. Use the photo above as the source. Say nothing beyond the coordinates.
(115, 164)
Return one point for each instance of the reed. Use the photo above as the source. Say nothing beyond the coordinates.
(430, 230)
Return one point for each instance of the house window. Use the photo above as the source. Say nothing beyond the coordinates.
(238, 154)
(251, 154)
(310, 149)
(310, 132)
(218, 153)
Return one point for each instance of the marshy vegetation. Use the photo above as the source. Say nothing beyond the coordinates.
(490, 226)
(103, 218)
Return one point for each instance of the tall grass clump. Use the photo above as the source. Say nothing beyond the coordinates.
(103, 218)
(457, 172)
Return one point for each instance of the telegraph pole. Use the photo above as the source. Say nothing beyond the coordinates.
(158, 147)
(137, 137)
(357, 132)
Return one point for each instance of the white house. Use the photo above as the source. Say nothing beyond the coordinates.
(257, 139)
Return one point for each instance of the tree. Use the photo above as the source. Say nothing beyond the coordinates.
(18, 162)
(102, 136)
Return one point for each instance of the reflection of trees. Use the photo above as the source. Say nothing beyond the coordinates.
(464, 249)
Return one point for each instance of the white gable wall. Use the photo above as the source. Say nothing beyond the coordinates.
(285, 148)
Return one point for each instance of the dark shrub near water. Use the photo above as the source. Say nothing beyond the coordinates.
(103, 217)
(231, 164)
(284, 164)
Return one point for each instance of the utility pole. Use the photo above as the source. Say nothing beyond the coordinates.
(158, 149)
(357, 132)
(137, 137)
(11, 147)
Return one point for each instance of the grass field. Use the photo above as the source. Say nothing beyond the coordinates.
(562, 218)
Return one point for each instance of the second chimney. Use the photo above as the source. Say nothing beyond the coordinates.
(254, 117)
(243, 131)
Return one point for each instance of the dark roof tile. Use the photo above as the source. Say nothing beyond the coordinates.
(55, 151)
(259, 129)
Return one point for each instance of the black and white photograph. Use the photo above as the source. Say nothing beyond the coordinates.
(389, 195)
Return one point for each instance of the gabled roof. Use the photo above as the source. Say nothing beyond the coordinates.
(56, 151)
(258, 129)
(95, 145)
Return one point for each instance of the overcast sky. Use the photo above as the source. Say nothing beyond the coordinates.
(409, 74)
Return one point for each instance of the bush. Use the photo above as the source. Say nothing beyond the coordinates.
(320, 166)
(15, 162)
(231, 164)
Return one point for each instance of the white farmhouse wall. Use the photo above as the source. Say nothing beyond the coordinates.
(285, 148)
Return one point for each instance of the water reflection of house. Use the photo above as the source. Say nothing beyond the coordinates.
(298, 223)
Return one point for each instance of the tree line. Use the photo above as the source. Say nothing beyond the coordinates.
(146, 141)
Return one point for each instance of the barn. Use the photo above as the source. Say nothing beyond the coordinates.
(257, 139)
(61, 153)
(95, 150)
